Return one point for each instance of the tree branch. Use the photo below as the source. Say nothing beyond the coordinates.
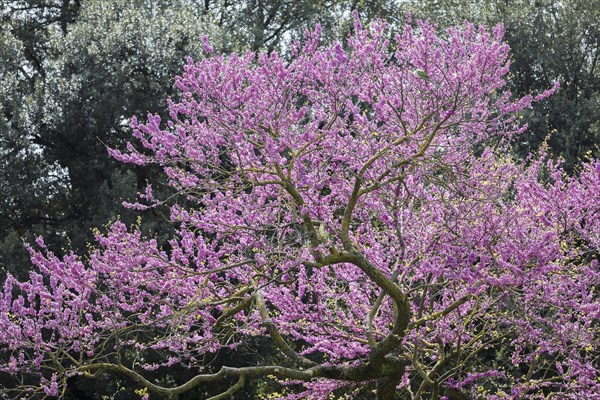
(422, 321)
(280, 342)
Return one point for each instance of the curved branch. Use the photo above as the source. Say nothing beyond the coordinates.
(356, 373)
(375, 309)
(388, 286)
(280, 342)
(231, 391)
(299, 201)
(420, 322)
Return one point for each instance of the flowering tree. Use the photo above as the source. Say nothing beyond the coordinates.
(357, 206)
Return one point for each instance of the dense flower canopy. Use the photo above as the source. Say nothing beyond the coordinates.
(357, 205)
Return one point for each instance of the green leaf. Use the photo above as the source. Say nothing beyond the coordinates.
(421, 74)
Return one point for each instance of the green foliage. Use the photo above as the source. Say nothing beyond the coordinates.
(32, 190)
(117, 59)
(269, 24)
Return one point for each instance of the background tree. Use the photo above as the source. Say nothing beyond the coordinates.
(268, 24)
(22, 167)
(357, 207)
(116, 60)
